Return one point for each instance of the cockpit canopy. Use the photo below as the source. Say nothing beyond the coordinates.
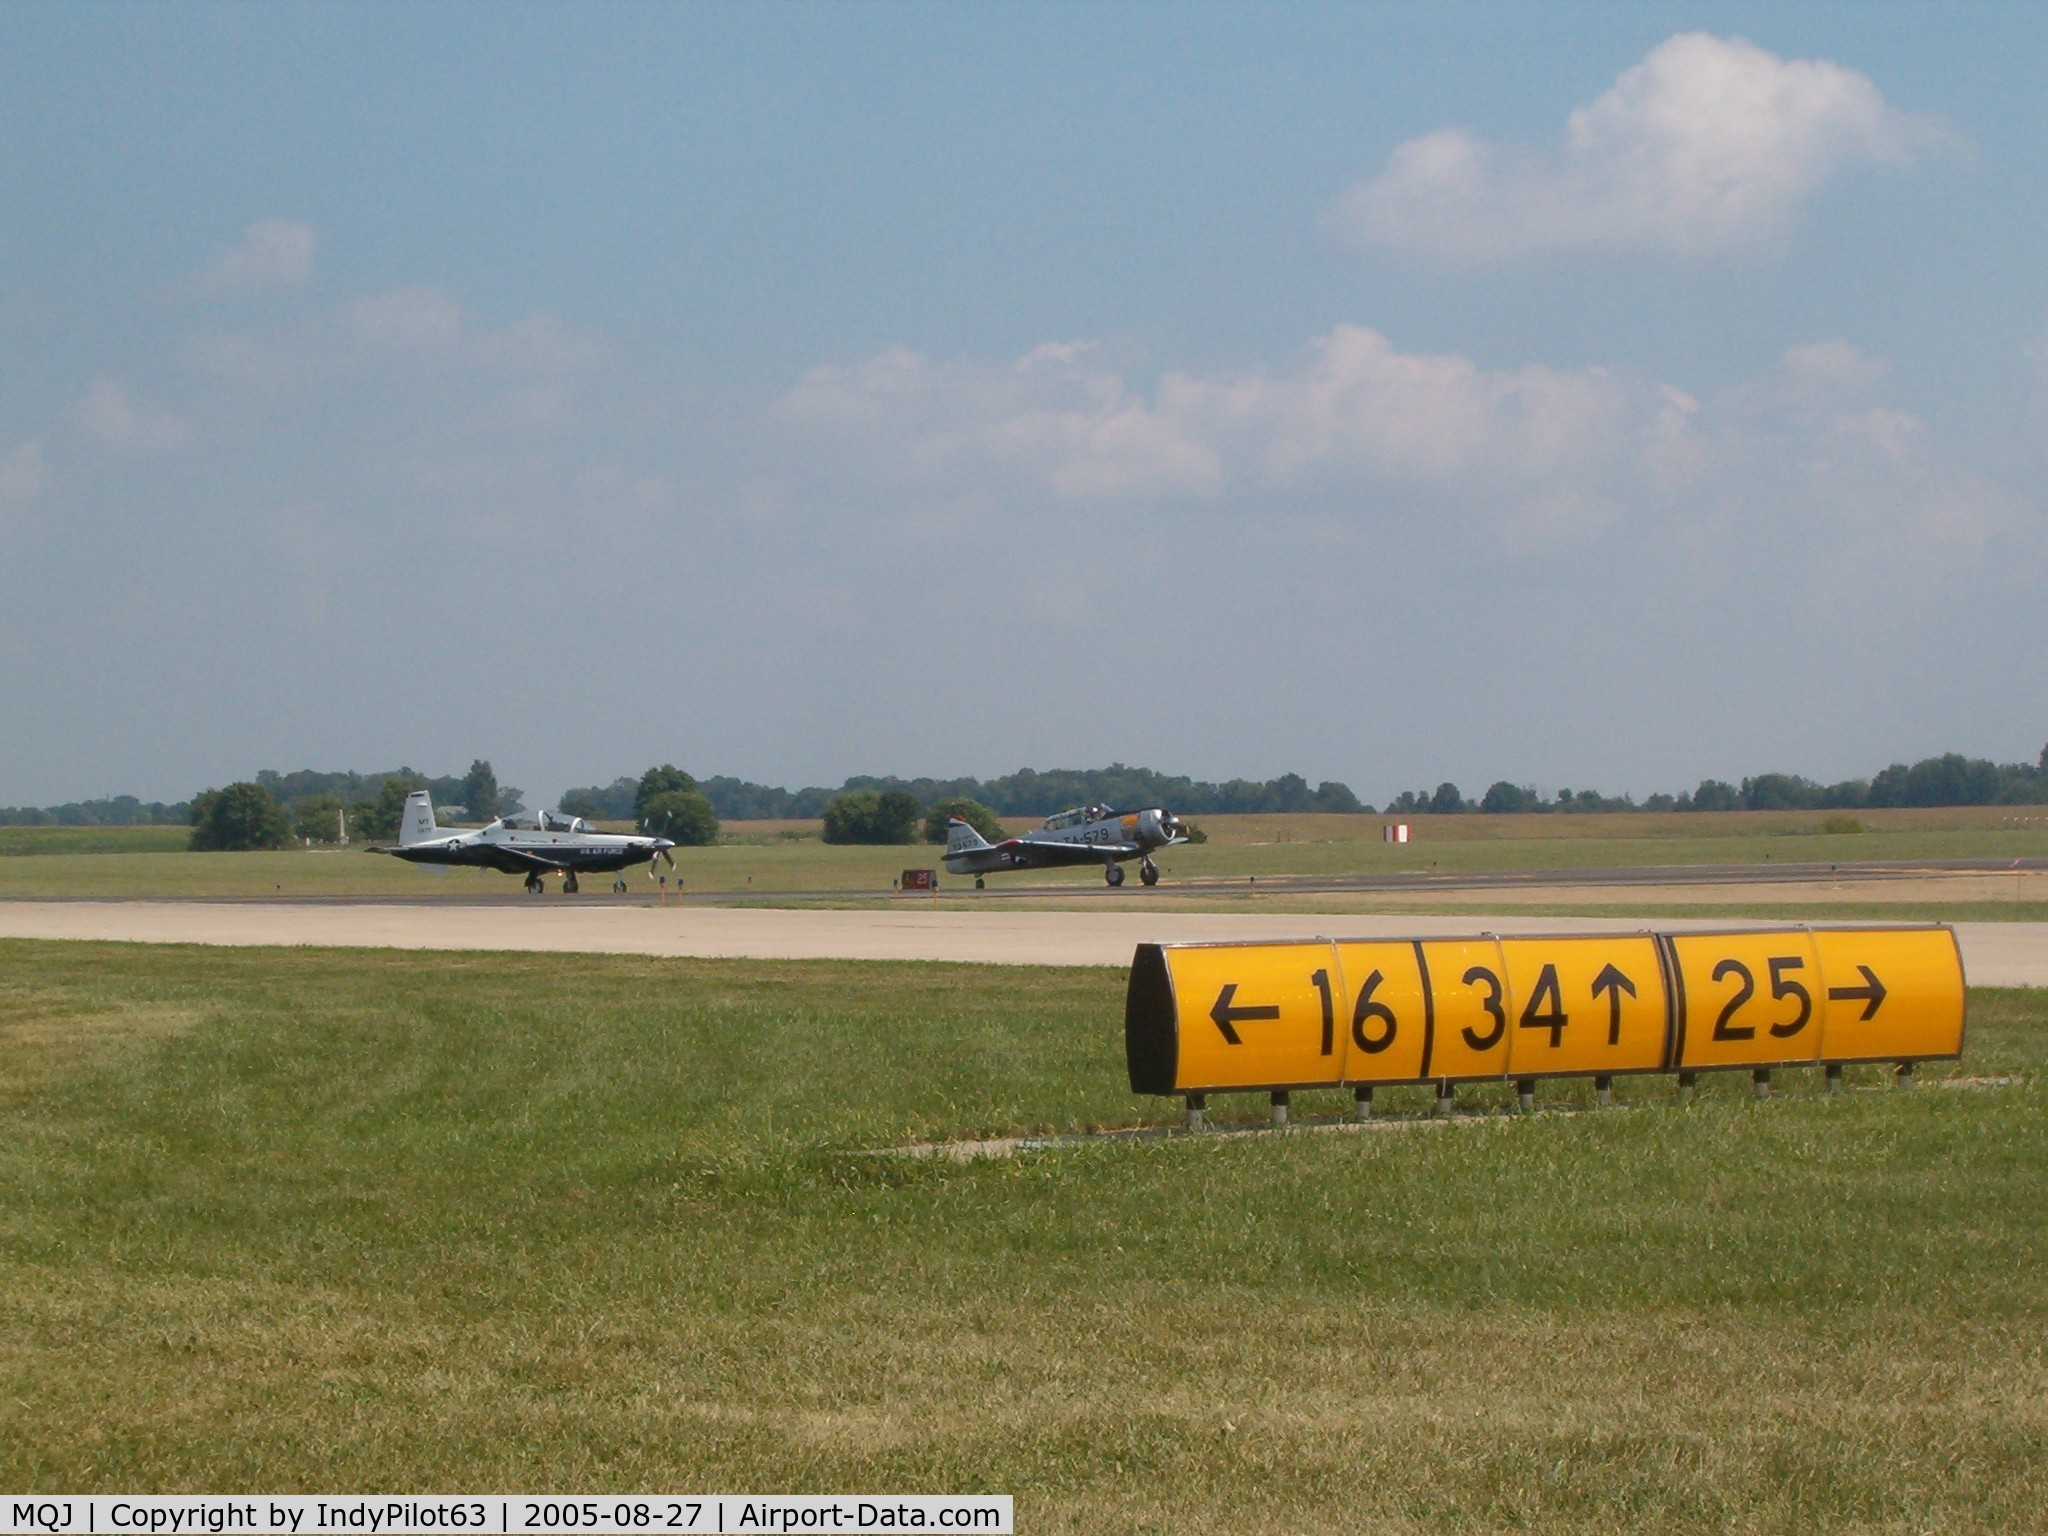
(547, 821)
(1078, 816)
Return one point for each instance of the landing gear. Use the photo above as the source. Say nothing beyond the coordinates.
(569, 883)
(619, 886)
(980, 884)
(1149, 872)
(1113, 873)
(534, 885)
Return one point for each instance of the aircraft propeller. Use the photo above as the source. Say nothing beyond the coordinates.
(662, 855)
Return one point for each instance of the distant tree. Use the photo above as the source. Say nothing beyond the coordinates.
(1847, 795)
(317, 817)
(1662, 802)
(480, 791)
(658, 781)
(681, 815)
(1505, 799)
(1779, 792)
(1447, 801)
(871, 816)
(380, 815)
(603, 802)
(1713, 795)
(1333, 796)
(240, 817)
(973, 812)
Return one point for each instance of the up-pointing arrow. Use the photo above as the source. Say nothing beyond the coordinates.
(1613, 983)
(1225, 1016)
(1873, 990)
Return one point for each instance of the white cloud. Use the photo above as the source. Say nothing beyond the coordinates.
(119, 422)
(275, 253)
(1431, 443)
(1053, 417)
(1832, 367)
(1359, 412)
(408, 320)
(1707, 144)
(22, 473)
(420, 334)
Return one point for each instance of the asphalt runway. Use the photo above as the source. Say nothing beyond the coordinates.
(1994, 954)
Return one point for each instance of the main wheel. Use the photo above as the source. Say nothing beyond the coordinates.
(1149, 872)
(533, 885)
(980, 884)
(569, 886)
(1114, 874)
(619, 886)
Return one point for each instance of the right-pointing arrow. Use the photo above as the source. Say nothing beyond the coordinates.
(1225, 1016)
(1872, 990)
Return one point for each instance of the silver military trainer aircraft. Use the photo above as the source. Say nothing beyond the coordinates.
(535, 846)
(1088, 834)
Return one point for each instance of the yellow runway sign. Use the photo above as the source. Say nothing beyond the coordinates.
(1326, 1013)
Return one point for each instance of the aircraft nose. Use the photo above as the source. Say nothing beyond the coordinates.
(662, 845)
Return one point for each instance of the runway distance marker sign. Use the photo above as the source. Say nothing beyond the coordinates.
(1321, 1013)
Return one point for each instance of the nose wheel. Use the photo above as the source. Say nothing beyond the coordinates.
(1149, 872)
(1114, 874)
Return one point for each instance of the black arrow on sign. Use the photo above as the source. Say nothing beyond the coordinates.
(1613, 983)
(1873, 990)
(1225, 1015)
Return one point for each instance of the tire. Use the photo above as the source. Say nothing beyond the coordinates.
(1114, 874)
(1149, 873)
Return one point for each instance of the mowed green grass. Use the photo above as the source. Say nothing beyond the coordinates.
(24, 841)
(758, 860)
(329, 1220)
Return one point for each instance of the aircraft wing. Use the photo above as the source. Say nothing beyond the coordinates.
(513, 860)
(1047, 854)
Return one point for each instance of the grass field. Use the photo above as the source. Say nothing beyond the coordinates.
(789, 857)
(289, 1220)
(18, 841)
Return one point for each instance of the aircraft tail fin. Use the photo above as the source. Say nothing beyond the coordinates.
(960, 837)
(417, 826)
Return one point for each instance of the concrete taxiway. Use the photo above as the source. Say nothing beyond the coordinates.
(1994, 954)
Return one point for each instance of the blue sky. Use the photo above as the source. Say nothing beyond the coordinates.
(1583, 395)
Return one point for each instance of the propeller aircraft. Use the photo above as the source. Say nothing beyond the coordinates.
(534, 845)
(1088, 834)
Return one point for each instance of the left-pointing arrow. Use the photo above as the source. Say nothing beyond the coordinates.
(1225, 1016)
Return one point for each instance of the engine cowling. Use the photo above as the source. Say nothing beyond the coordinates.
(1158, 826)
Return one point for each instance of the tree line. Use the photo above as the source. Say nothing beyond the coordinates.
(1948, 780)
(115, 811)
(275, 808)
(1027, 792)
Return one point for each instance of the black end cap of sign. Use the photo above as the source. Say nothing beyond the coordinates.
(1151, 1030)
